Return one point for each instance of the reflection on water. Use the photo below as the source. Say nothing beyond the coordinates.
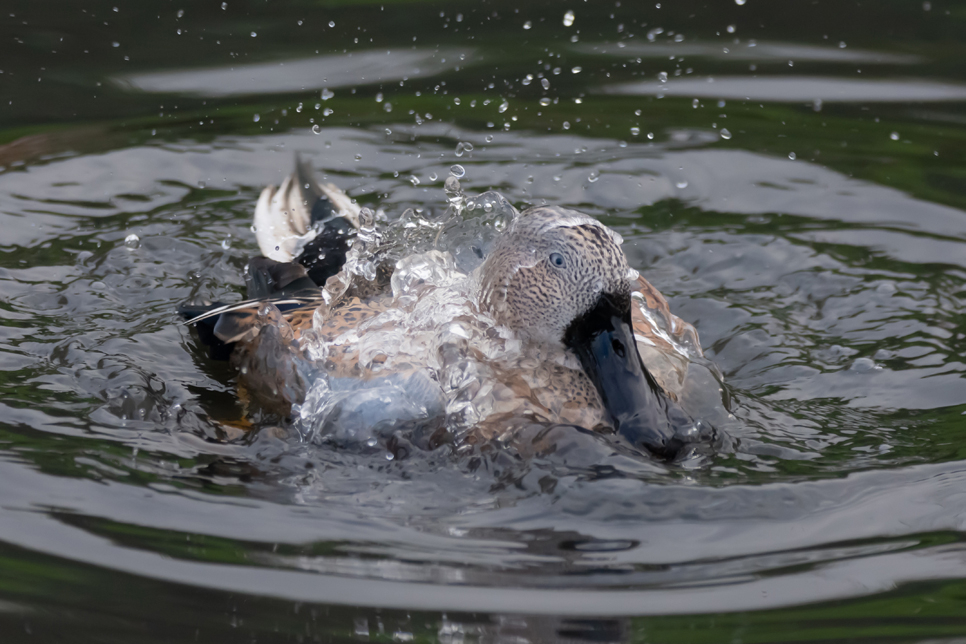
(336, 70)
(818, 253)
(799, 89)
(748, 50)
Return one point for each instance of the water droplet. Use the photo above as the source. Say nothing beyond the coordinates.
(792, 156)
(463, 146)
(650, 135)
(226, 243)
(594, 176)
(316, 129)
(132, 241)
(256, 118)
(327, 94)
(527, 79)
(504, 106)
(842, 44)
(180, 13)
(414, 180)
(725, 134)
(576, 70)
(894, 136)
(452, 184)
(388, 131)
(327, 111)
(379, 97)
(488, 138)
(332, 23)
(457, 171)
(731, 29)
(681, 185)
(545, 101)
(224, 5)
(254, 34)
(527, 25)
(387, 106)
(566, 125)
(568, 18)
(115, 44)
(298, 108)
(545, 83)
(662, 76)
(740, 2)
(635, 131)
(433, 176)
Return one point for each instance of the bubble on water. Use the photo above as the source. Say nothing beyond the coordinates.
(257, 118)
(457, 171)
(132, 241)
(894, 136)
(864, 365)
(316, 129)
(724, 133)
(568, 18)
(527, 25)
(327, 94)
(463, 146)
(504, 106)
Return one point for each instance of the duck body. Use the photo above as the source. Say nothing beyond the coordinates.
(550, 327)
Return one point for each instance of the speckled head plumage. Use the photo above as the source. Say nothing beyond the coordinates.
(549, 268)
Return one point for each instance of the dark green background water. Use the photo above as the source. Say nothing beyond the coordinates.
(789, 174)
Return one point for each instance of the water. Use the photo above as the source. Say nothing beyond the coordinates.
(143, 498)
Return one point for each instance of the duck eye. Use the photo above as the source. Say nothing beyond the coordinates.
(557, 260)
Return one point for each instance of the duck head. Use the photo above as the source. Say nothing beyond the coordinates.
(559, 276)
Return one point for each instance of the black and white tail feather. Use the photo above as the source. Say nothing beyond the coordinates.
(304, 230)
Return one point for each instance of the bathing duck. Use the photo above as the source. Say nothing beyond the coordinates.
(551, 327)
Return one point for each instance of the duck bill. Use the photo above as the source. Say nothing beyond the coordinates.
(642, 413)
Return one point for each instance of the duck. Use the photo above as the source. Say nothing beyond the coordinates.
(552, 326)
